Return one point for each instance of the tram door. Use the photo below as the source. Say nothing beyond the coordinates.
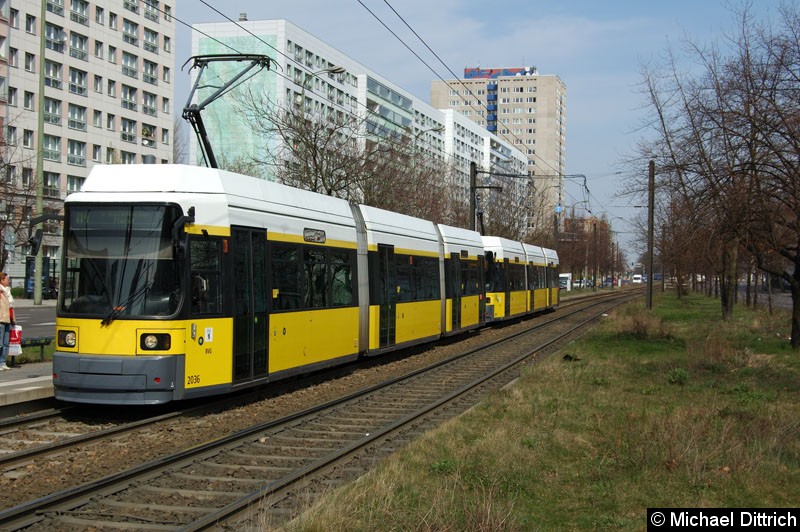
(387, 287)
(456, 286)
(507, 287)
(249, 285)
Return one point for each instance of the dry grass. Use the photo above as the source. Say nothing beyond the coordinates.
(594, 443)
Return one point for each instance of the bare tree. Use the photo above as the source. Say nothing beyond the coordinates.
(180, 141)
(729, 144)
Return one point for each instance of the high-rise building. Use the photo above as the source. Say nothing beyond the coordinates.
(527, 110)
(87, 83)
(326, 82)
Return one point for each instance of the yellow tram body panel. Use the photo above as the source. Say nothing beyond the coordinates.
(208, 357)
(298, 339)
(554, 297)
(540, 299)
(418, 319)
(470, 310)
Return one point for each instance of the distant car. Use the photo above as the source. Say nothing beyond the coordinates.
(637, 278)
(656, 276)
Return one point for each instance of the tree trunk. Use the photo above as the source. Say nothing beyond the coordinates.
(728, 278)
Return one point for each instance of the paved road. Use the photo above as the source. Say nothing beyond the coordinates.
(36, 320)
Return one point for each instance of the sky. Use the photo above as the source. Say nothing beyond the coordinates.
(597, 48)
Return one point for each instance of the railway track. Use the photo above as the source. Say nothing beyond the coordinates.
(268, 472)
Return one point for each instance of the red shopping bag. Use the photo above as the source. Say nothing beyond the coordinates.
(15, 338)
(15, 341)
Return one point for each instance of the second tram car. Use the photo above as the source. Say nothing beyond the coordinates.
(180, 282)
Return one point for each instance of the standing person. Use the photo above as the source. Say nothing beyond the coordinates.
(6, 302)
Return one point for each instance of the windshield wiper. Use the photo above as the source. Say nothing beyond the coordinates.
(119, 309)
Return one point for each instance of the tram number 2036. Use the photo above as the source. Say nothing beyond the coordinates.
(192, 379)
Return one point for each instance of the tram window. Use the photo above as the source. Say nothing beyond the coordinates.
(285, 277)
(205, 287)
(316, 288)
(426, 277)
(341, 279)
(405, 288)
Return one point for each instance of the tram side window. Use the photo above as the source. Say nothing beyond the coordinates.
(469, 278)
(205, 287)
(516, 277)
(426, 278)
(341, 278)
(311, 277)
(315, 276)
(285, 277)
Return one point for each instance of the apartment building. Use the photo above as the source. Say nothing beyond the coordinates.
(527, 110)
(328, 83)
(86, 82)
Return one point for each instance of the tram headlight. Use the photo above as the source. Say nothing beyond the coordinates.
(67, 338)
(155, 342)
(150, 341)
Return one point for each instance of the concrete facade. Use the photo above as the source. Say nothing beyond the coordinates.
(88, 82)
(299, 75)
(527, 110)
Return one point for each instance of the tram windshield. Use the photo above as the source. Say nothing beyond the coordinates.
(119, 261)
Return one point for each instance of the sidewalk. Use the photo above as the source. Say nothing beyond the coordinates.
(26, 382)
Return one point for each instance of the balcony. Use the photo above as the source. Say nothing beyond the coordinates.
(128, 137)
(52, 82)
(52, 155)
(76, 160)
(79, 18)
(80, 90)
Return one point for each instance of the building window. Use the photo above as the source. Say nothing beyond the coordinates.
(128, 130)
(13, 57)
(167, 74)
(151, 10)
(97, 119)
(165, 105)
(167, 44)
(112, 88)
(52, 111)
(30, 24)
(98, 83)
(52, 183)
(77, 153)
(149, 104)
(78, 81)
(99, 15)
(79, 46)
(130, 32)
(112, 21)
(74, 183)
(131, 5)
(130, 65)
(150, 41)
(30, 62)
(148, 135)
(150, 74)
(97, 152)
(12, 96)
(54, 37)
(27, 102)
(11, 135)
(52, 148)
(128, 157)
(98, 49)
(27, 177)
(77, 117)
(13, 18)
(52, 74)
(111, 155)
(164, 136)
(56, 7)
(111, 122)
(80, 12)
(112, 54)
(128, 98)
(27, 138)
